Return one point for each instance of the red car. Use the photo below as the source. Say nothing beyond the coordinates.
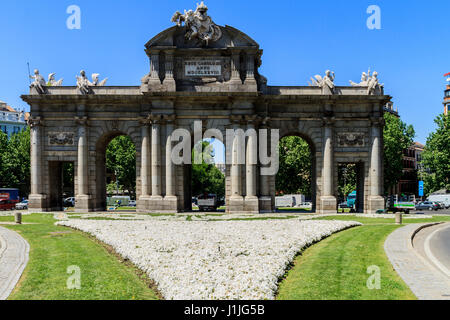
(7, 205)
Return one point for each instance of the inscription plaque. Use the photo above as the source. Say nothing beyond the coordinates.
(203, 68)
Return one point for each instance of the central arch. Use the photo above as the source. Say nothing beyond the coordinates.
(101, 174)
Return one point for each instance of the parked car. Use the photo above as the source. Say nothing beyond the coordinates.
(69, 202)
(343, 205)
(7, 205)
(445, 198)
(132, 203)
(22, 205)
(440, 204)
(427, 205)
(207, 202)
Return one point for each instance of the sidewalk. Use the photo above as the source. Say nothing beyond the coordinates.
(423, 279)
(14, 252)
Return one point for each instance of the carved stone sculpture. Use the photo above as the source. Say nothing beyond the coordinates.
(84, 84)
(96, 82)
(52, 82)
(61, 138)
(371, 82)
(38, 83)
(374, 86)
(349, 139)
(326, 83)
(198, 24)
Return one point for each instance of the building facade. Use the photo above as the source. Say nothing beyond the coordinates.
(11, 120)
(211, 77)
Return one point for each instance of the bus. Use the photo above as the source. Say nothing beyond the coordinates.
(351, 200)
(10, 194)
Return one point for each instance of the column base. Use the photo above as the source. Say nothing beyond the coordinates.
(143, 204)
(171, 203)
(236, 204)
(265, 204)
(328, 205)
(170, 85)
(37, 203)
(251, 85)
(375, 203)
(83, 203)
(251, 204)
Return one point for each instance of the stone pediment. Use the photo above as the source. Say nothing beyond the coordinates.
(225, 60)
(175, 37)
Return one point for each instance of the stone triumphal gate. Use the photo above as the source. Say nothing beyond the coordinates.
(202, 71)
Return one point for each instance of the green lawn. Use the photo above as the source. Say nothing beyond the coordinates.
(53, 249)
(336, 268)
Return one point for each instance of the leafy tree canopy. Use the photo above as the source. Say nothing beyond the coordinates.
(397, 137)
(436, 157)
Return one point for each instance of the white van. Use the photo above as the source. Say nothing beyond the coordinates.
(445, 198)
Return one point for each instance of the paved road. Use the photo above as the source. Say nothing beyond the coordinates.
(425, 281)
(434, 245)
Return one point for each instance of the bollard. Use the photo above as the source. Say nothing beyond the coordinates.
(18, 217)
(398, 218)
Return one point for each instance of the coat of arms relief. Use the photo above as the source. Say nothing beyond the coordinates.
(198, 24)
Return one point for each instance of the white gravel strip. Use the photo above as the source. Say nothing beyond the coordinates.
(199, 260)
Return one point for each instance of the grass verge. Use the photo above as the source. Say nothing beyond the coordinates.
(104, 276)
(336, 269)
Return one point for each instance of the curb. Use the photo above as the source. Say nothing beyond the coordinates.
(14, 255)
(421, 277)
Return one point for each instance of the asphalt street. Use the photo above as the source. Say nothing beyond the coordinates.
(433, 243)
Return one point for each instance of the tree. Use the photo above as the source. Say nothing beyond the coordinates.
(15, 161)
(397, 137)
(294, 175)
(206, 177)
(19, 161)
(436, 157)
(347, 180)
(121, 160)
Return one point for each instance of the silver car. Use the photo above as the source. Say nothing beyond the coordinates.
(22, 205)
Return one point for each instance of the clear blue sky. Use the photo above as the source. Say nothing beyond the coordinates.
(299, 38)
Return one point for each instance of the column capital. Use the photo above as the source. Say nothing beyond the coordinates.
(377, 121)
(252, 119)
(155, 118)
(144, 121)
(328, 121)
(169, 118)
(236, 119)
(35, 122)
(82, 121)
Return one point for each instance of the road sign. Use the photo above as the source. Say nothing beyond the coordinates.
(420, 188)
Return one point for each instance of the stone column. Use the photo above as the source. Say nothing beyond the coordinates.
(36, 198)
(82, 197)
(154, 80)
(145, 159)
(250, 81)
(236, 203)
(169, 81)
(328, 202)
(156, 157)
(376, 200)
(251, 199)
(235, 81)
(265, 199)
(170, 198)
